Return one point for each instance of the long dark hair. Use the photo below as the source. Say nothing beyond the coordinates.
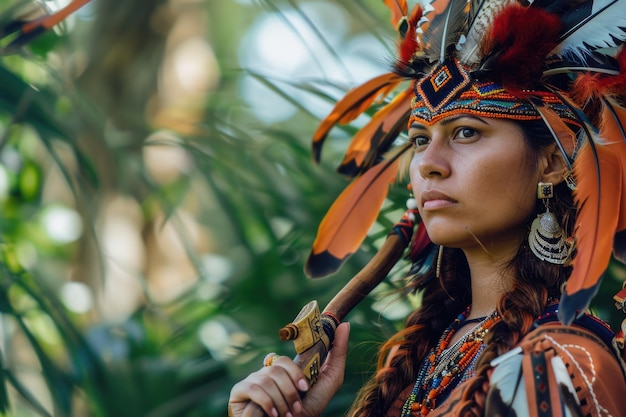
(443, 299)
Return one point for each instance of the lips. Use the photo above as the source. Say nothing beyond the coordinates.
(432, 199)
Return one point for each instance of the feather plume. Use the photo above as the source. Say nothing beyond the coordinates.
(375, 138)
(348, 220)
(592, 25)
(445, 30)
(481, 15)
(353, 104)
(595, 85)
(409, 44)
(517, 52)
(598, 173)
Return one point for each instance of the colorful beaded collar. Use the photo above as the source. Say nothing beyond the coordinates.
(447, 365)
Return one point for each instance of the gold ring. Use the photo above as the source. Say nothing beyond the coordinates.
(269, 359)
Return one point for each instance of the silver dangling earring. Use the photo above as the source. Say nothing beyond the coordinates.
(546, 238)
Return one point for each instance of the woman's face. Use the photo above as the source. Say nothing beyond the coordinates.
(475, 182)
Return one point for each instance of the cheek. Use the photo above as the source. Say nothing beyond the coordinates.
(517, 188)
(414, 173)
(416, 181)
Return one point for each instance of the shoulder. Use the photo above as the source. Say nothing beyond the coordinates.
(569, 367)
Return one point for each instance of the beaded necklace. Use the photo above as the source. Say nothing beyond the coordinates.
(446, 366)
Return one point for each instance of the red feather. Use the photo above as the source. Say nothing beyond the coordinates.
(374, 138)
(420, 241)
(518, 51)
(596, 85)
(353, 104)
(351, 216)
(409, 45)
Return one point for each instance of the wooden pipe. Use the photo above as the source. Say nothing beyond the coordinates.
(319, 330)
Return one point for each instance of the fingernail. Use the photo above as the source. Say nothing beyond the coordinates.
(303, 385)
(274, 412)
(288, 414)
(297, 407)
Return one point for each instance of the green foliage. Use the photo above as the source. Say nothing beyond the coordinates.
(81, 109)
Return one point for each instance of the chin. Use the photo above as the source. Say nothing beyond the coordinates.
(444, 233)
(447, 239)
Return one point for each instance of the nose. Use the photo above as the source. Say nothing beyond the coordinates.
(433, 161)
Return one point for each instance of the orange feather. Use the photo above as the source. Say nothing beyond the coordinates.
(612, 131)
(375, 137)
(351, 216)
(398, 8)
(566, 138)
(352, 105)
(599, 172)
(27, 31)
(47, 22)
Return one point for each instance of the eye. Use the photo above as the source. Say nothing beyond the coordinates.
(419, 141)
(466, 133)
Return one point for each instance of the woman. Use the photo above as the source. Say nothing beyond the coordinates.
(517, 199)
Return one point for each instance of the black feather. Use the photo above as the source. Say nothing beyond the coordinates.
(445, 31)
(569, 63)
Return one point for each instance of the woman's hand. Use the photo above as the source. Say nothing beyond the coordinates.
(276, 389)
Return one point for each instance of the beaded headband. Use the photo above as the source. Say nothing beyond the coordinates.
(450, 89)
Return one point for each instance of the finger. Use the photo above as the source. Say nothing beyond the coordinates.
(247, 391)
(272, 388)
(282, 374)
(294, 371)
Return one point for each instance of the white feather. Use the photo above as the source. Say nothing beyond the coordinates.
(507, 380)
(604, 27)
(565, 382)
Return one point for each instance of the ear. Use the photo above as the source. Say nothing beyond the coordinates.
(554, 167)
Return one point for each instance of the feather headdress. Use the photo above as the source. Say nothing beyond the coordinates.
(560, 61)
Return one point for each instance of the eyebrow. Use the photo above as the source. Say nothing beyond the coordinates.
(448, 120)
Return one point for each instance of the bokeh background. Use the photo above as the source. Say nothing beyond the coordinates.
(158, 199)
